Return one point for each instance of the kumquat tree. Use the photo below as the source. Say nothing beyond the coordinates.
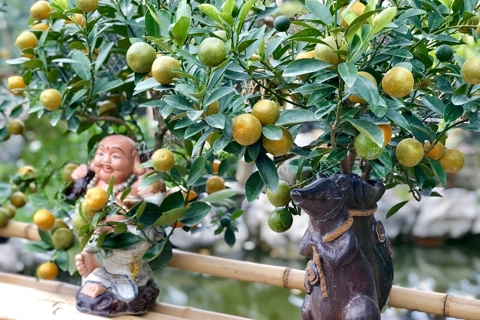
(202, 84)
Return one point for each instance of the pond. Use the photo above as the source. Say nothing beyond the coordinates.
(453, 268)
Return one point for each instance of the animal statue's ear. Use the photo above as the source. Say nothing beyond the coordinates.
(343, 182)
(136, 164)
(321, 176)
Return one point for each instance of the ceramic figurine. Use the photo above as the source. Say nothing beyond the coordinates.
(339, 280)
(117, 282)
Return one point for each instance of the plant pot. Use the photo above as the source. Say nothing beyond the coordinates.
(350, 272)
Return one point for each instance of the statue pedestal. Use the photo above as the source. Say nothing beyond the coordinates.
(109, 305)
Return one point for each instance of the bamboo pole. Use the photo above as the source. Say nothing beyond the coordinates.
(429, 302)
(26, 298)
(23, 230)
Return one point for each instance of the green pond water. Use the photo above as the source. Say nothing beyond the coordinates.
(453, 268)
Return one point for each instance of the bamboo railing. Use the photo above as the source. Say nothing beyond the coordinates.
(429, 302)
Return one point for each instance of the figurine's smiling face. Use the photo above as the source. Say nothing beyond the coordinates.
(114, 156)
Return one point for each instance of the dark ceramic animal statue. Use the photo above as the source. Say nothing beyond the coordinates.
(361, 199)
(339, 280)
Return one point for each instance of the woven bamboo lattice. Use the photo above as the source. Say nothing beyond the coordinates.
(429, 302)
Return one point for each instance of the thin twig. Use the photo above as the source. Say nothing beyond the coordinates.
(112, 120)
(161, 129)
(348, 161)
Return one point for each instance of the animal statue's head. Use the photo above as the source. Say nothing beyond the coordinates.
(358, 193)
(321, 199)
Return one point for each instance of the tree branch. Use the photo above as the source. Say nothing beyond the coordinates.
(161, 129)
(162, 126)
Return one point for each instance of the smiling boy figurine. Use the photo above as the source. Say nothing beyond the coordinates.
(117, 282)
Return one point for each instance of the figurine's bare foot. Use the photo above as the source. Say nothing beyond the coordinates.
(85, 263)
(92, 289)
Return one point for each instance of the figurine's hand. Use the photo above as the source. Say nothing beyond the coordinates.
(80, 172)
(85, 263)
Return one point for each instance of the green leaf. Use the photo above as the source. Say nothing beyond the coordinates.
(151, 24)
(242, 15)
(305, 34)
(40, 247)
(200, 142)
(348, 71)
(434, 104)
(226, 17)
(85, 237)
(180, 30)
(19, 61)
(228, 6)
(210, 11)
(120, 241)
(120, 227)
(337, 155)
(73, 124)
(174, 200)
(163, 259)
(371, 130)
(218, 94)
(125, 193)
(242, 46)
(169, 217)
(104, 85)
(295, 116)
(268, 171)
(33, 64)
(272, 132)
(320, 11)
(103, 56)
(146, 85)
(438, 170)
(398, 118)
(149, 180)
(150, 213)
(229, 237)
(79, 94)
(39, 200)
(253, 151)
(367, 90)
(61, 259)
(46, 237)
(183, 10)
(102, 236)
(304, 66)
(82, 68)
(153, 252)
(72, 252)
(196, 171)
(216, 121)
(384, 18)
(254, 186)
(140, 209)
(220, 195)
(63, 4)
(179, 102)
(452, 113)
(395, 208)
(196, 212)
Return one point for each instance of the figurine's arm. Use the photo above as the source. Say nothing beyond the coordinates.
(80, 172)
(339, 251)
